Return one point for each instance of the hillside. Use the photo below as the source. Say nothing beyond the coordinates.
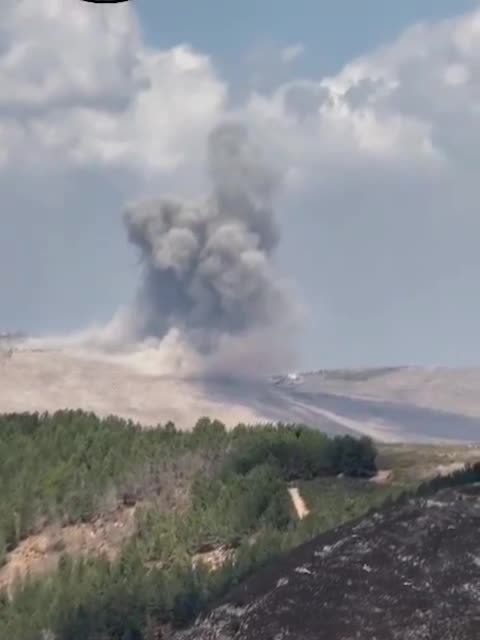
(51, 379)
(107, 528)
(111, 531)
(390, 404)
(409, 571)
(442, 388)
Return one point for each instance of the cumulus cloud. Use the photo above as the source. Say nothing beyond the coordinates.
(77, 81)
(382, 162)
(414, 101)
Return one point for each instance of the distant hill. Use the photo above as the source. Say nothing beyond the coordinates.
(390, 404)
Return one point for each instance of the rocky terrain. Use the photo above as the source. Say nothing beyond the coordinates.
(409, 572)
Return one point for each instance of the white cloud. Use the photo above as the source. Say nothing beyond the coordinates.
(57, 55)
(411, 108)
(77, 81)
(382, 215)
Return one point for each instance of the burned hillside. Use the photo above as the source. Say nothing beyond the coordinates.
(410, 571)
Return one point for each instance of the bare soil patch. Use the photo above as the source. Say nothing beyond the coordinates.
(40, 553)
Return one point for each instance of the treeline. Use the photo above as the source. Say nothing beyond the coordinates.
(66, 467)
(192, 489)
(302, 453)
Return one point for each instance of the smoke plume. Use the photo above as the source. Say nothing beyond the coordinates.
(207, 266)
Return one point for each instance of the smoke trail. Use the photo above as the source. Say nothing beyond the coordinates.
(207, 266)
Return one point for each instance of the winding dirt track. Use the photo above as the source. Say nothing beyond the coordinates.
(299, 503)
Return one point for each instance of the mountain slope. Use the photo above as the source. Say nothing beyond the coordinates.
(390, 404)
(409, 572)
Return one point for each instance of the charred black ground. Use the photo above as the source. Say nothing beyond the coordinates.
(409, 572)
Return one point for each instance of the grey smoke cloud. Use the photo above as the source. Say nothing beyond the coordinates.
(208, 267)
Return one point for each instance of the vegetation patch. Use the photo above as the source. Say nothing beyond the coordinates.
(209, 506)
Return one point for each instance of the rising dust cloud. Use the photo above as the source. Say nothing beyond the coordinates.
(210, 310)
(210, 300)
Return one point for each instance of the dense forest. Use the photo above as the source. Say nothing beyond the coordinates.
(191, 491)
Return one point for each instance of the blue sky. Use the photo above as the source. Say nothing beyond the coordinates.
(244, 37)
(376, 128)
(332, 31)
